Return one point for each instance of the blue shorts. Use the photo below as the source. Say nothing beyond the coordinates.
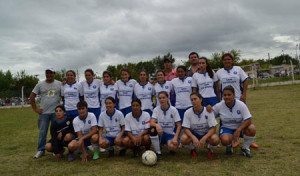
(72, 113)
(87, 142)
(198, 136)
(210, 101)
(125, 111)
(224, 130)
(111, 140)
(165, 137)
(149, 111)
(96, 111)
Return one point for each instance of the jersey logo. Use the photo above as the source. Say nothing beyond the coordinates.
(89, 122)
(130, 85)
(206, 117)
(149, 88)
(68, 122)
(166, 87)
(235, 72)
(75, 88)
(171, 116)
(94, 86)
(238, 112)
(143, 122)
(116, 120)
(112, 89)
(189, 81)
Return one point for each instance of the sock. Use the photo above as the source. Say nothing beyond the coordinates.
(95, 147)
(212, 147)
(155, 142)
(247, 141)
(190, 146)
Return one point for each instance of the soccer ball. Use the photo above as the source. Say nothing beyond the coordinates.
(149, 158)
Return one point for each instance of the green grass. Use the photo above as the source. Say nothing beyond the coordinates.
(275, 112)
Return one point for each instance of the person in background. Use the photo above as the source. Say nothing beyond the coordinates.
(49, 91)
(194, 61)
(170, 73)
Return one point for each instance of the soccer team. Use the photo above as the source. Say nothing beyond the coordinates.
(103, 114)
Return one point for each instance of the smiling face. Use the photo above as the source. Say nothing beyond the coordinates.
(181, 73)
(202, 65)
(136, 107)
(160, 77)
(194, 59)
(70, 77)
(50, 75)
(82, 111)
(106, 79)
(110, 105)
(124, 76)
(143, 77)
(163, 99)
(89, 76)
(227, 62)
(228, 97)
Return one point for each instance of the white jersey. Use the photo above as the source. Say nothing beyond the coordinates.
(125, 90)
(71, 94)
(113, 123)
(162, 87)
(233, 117)
(137, 125)
(166, 119)
(234, 77)
(107, 91)
(144, 93)
(205, 84)
(91, 93)
(183, 90)
(199, 123)
(84, 125)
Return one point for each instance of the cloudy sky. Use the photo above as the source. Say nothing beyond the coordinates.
(95, 33)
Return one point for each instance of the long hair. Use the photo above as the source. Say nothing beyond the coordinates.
(208, 68)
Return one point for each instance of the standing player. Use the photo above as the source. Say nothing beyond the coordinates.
(164, 119)
(145, 92)
(182, 87)
(236, 122)
(85, 126)
(71, 93)
(113, 122)
(161, 85)
(62, 132)
(125, 90)
(205, 81)
(237, 78)
(137, 125)
(169, 72)
(107, 89)
(199, 127)
(49, 90)
(91, 92)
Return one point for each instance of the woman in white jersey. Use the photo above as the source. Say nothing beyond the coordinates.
(125, 91)
(205, 82)
(236, 122)
(91, 92)
(163, 122)
(161, 85)
(71, 93)
(145, 92)
(237, 78)
(137, 124)
(182, 87)
(199, 127)
(112, 120)
(107, 89)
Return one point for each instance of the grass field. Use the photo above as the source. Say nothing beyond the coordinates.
(276, 115)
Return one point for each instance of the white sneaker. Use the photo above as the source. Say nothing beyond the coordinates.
(102, 150)
(39, 154)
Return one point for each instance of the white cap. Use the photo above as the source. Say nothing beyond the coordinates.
(50, 68)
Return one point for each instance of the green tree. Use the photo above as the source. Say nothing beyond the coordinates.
(60, 75)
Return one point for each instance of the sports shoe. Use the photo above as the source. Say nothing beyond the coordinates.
(136, 152)
(39, 154)
(122, 152)
(102, 150)
(193, 153)
(210, 154)
(159, 156)
(235, 144)
(253, 145)
(229, 150)
(246, 152)
(111, 152)
(96, 156)
(71, 157)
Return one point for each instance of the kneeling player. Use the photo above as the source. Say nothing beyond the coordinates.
(113, 121)
(199, 127)
(62, 132)
(85, 126)
(137, 124)
(164, 119)
(236, 122)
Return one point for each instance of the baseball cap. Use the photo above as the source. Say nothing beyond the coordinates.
(50, 69)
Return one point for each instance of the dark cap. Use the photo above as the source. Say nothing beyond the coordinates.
(167, 59)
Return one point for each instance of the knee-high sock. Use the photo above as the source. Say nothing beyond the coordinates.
(95, 147)
(247, 141)
(212, 147)
(155, 143)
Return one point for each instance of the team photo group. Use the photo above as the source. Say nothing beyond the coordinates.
(177, 110)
